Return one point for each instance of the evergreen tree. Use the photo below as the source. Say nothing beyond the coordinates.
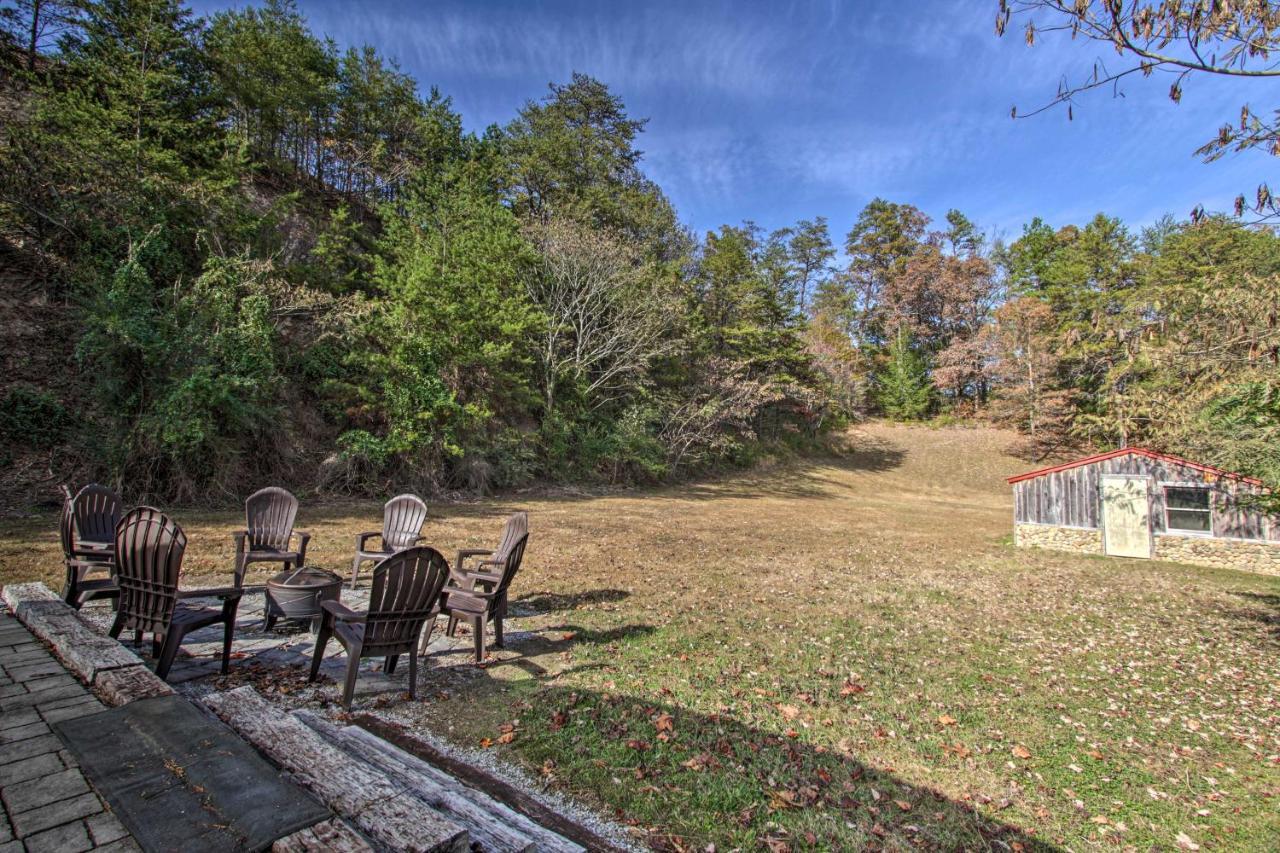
(903, 389)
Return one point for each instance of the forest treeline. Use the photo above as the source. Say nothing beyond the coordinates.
(258, 257)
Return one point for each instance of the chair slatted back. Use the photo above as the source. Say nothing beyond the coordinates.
(268, 516)
(512, 559)
(97, 512)
(149, 551)
(66, 530)
(406, 590)
(402, 520)
(516, 527)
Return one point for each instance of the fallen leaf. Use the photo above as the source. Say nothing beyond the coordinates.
(947, 720)
(1021, 751)
(485, 742)
(1185, 843)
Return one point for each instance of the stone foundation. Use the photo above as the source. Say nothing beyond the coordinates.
(1240, 554)
(1078, 539)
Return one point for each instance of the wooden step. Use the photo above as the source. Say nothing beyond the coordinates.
(382, 809)
(493, 824)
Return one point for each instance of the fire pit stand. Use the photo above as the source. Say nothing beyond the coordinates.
(298, 593)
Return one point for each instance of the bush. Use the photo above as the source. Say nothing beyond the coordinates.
(34, 419)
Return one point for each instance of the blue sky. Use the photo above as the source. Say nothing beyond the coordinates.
(777, 111)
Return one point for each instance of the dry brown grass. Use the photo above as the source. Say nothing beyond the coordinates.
(852, 654)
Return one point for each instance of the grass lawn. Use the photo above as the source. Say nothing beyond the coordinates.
(846, 653)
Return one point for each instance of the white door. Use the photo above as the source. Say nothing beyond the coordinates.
(1126, 516)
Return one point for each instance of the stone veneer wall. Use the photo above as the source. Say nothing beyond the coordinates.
(1242, 554)
(1079, 539)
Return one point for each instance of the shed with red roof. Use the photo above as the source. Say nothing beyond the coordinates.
(1136, 502)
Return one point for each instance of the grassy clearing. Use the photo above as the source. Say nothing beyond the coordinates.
(847, 653)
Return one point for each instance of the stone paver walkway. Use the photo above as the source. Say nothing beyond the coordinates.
(48, 803)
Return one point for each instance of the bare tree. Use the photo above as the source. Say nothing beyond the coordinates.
(1178, 38)
(37, 24)
(608, 316)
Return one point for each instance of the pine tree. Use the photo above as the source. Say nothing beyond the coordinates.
(904, 391)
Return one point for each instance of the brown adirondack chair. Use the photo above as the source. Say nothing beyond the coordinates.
(268, 535)
(479, 596)
(149, 550)
(89, 570)
(96, 510)
(402, 519)
(405, 594)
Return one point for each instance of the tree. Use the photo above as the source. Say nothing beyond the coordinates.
(447, 352)
(1026, 373)
(881, 242)
(37, 25)
(574, 155)
(903, 389)
(962, 235)
(1178, 39)
(606, 316)
(810, 252)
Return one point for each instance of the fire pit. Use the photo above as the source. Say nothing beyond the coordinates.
(297, 593)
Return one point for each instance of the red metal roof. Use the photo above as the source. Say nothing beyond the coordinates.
(1137, 451)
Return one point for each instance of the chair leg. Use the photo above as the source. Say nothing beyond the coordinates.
(353, 670)
(453, 626)
(227, 630)
(116, 626)
(137, 638)
(69, 587)
(322, 638)
(389, 666)
(477, 628)
(355, 572)
(157, 642)
(427, 629)
(497, 630)
(413, 673)
(172, 639)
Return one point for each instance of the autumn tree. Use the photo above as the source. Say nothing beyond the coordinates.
(1025, 367)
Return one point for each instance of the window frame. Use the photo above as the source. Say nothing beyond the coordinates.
(1179, 531)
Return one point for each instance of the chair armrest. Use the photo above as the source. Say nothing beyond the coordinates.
(342, 612)
(303, 538)
(479, 595)
(464, 553)
(216, 592)
(485, 577)
(362, 539)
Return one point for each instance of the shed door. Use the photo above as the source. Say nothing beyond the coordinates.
(1126, 516)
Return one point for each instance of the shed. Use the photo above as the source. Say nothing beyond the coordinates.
(1139, 503)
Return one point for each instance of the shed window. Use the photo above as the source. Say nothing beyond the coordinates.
(1187, 509)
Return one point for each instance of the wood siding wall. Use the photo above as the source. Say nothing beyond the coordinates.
(1070, 498)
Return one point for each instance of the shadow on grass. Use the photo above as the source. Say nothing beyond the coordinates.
(691, 778)
(531, 603)
(1265, 609)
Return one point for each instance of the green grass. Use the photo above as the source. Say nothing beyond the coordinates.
(847, 653)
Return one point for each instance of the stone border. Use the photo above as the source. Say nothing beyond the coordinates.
(108, 668)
